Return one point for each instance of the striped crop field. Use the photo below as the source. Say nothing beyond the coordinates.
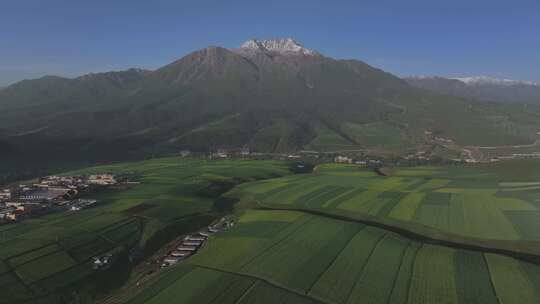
(338, 281)
(473, 281)
(373, 285)
(433, 278)
(338, 235)
(314, 259)
(49, 258)
(511, 281)
(406, 208)
(467, 201)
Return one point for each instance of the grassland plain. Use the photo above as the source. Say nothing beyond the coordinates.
(295, 264)
(43, 260)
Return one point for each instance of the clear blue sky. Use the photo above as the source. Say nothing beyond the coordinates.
(413, 37)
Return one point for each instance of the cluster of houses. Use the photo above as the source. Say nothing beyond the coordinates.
(101, 180)
(419, 155)
(357, 157)
(341, 159)
(190, 244)
(226, 153)
(51, 193)
(223, 153)
(531, 155)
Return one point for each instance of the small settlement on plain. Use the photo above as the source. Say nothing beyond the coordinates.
(49, 194)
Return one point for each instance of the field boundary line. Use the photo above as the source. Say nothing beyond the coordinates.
(328, 189)
(48, 293)
(246, 292)
(69, 253)
(148, 283)
(276, 243)
(267, 281)
(97, 237)
(113, 227)
(397, 273)
(109, 227)
(334, 260)
(103, 236)
(19, 279)
(433, 236)
(62, 249)
(490, 278)
(413, 272)
(28, 251)
(227, 289)
(280, 189)
(359, 274)
(409, 281)
(330, 202)
(42, 256)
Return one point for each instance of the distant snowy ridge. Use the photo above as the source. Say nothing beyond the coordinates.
(485, 80)
(479, 80)
(279, 45)
(480, 87)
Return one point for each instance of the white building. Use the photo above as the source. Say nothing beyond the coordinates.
(187, 248)
(5, 194)
(343, 159)
(172, 260)
(101, 179)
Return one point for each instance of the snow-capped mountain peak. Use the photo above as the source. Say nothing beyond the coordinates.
(485, 80)
(279, 45)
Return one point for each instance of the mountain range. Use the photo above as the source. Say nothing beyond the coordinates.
(270, 95)
(481, 87)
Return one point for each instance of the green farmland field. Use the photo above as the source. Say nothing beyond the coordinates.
(44, 258)
(341, 234)
(294, 256)
(343, 262)
(469, 201)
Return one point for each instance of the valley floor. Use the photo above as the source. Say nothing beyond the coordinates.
(292, 257)
(291, 246)
(340, 234)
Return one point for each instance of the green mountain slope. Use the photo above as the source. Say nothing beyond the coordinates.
(273, 100)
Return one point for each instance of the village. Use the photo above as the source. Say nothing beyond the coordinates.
(361, 158)
(425, 155)
(50, 194)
